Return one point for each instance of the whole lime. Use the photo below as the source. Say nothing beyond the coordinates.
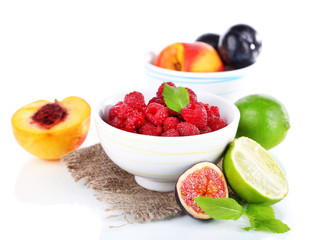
(263, 119)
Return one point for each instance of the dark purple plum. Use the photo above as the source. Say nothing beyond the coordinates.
(209, 38)
(240, 46)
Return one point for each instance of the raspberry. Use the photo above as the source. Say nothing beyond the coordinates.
(161, 87)
(173, 113)
(170, 122)
(129, 128)
(150, 129)
(135, 119)
(113, 112)
(117, 122)
(211, 112)
(130, 122)
(196, 114)
(120, 110)
(217, 123)
(171, 133)
(159, 100)
(215, 111)
(187, 129)
(213, 117)
(135, 100)
(207, 129)
(192, 95)
(156, 113)
(124, 117)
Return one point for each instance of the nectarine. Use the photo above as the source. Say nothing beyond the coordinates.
(51, 130)
(190, 57)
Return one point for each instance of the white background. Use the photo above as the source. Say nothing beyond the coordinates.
(92, 49)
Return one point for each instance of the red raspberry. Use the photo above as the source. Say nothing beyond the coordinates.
(213, 117)
(161, 87)
(117, 122)
(207, 129)
(173, 113)
(156, 113)
(171, 133)
(120, 110)
(211, 112)
(187, 129)
(215, 111)
(129, 128)
(134, 119)
(170, 122)
(196, 114)
(124, 117)
(135, 100)
(150, 129)
(217, 123)
(113, 112)
(130, 122)
(192, 95)
(159, 100)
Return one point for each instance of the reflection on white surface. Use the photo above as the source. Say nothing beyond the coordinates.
(49, 204)
(44, 183)
(186, 227)
(49, 182)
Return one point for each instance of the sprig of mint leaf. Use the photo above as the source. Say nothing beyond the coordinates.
(175, 98)
(261, 216)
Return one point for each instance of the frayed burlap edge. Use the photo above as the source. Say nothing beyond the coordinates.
(118, 188)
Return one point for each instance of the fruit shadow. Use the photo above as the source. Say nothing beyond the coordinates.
(49, 182)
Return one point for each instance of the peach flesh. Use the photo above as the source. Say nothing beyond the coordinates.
(51, 130)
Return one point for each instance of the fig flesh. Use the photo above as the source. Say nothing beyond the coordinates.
(202, 179)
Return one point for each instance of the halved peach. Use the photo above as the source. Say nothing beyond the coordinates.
(51, 130)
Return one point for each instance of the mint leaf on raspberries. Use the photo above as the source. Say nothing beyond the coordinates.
(175, 98)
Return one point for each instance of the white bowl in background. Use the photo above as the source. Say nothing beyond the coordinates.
(231, 84)
(157, 162)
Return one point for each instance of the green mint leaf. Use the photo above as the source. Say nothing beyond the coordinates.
(260, 211)
(252, 222)
(252, 226)
(175, 98)
(261, 217)
(272, 225)
(220, 208)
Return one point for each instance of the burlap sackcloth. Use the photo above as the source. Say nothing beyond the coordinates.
(118, 188)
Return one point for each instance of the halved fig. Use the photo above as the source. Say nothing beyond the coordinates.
(202, 179)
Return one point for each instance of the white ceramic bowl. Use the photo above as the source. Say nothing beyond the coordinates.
(231, 85)
(157, 162)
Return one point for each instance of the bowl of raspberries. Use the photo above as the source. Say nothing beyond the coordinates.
(156, 135)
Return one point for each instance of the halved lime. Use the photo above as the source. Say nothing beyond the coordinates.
(252, 173)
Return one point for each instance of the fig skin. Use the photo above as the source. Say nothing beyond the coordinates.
(198, 166)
